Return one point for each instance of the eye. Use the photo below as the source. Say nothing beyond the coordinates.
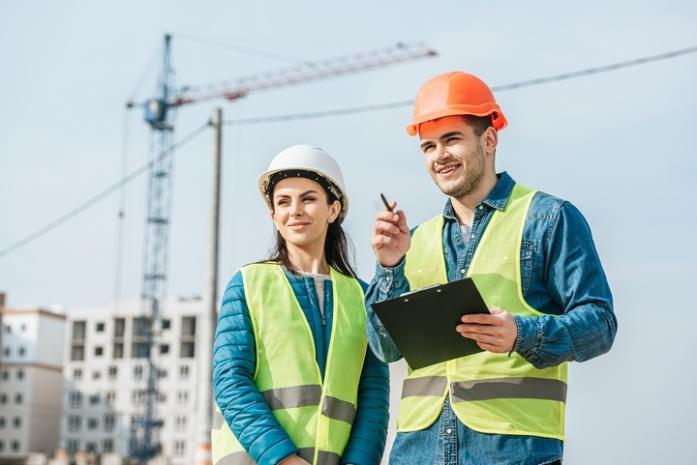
(427, 148)
(282, 202)
(309, 199)
(452, 139)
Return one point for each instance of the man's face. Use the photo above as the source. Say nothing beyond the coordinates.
(455, 156)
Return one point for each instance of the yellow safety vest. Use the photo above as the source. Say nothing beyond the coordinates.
(316, 414)
(490, 393)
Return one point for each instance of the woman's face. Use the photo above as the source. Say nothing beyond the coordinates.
(301, 211)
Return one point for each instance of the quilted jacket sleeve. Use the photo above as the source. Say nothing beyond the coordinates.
(234, 361)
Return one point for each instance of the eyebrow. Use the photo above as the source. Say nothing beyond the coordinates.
(444, 136)
(311, 191)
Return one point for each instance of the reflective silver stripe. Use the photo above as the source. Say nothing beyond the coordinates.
(510, 388)
(424, 386)
(327, 458)
(338, 409)
(236, 458)
(294, 396)
(218, 419)
(307, 454)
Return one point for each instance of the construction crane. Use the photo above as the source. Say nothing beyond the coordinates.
(159, 114)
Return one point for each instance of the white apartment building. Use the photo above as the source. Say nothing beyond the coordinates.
(31, 381)
(106, 373)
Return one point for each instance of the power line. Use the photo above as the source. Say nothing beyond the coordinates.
(499, 88)
(96, 198)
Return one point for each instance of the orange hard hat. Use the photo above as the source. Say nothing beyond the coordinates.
(455, 93)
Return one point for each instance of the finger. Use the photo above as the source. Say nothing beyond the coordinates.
(479, 337)
(384, 215)
(480, 329)
(402, 221)
(380, 241)
(480, 319)
(384, 227)
(491, 348)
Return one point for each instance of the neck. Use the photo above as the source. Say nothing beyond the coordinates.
(308, 259)
(464, 205)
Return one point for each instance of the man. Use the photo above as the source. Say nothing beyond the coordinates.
(533, 259)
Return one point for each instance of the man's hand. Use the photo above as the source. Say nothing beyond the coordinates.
(293, 460)
(494, 333)
(391, 239)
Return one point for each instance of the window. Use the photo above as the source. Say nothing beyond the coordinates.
(119, 327)
(77, 373)
(73, 446)
(22, 351)
(183, 371)
(2, 445)
(98, 351)
(139, 350)
(188, 326)
(92, 423)
(161, 374)
(19, 398)
(179, 448)
(141, 326)
(78, 331)
(20, 374)
(186, 350)
(96, 374)
(161, 397)
(2, 422)
(99, 327)
(108, 446)
(188, 337)
(166, 324)
(3, 398)
(77, 353)
(164, 349)
(5, 375)
(180, 423)
(91, 447)
(6, 352)
(113, 372)
(74, 423)
(138, 372)
(94, 399)
(138, 397)
(110, 397)
(23, 328)
(17, 422)
(75, 399)
(15, 446)
(118, 350)
(109, 422)
(182, 397)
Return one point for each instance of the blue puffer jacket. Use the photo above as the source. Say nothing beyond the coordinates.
(243, 406)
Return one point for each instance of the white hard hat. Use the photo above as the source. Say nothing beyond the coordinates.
(306, 161)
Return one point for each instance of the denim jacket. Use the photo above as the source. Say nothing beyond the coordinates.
(244, 407)
(561, 276)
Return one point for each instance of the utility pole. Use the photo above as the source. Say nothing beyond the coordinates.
(203, 446)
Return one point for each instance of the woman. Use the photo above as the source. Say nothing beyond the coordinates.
(293, 379)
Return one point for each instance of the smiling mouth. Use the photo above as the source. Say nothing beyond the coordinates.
(446, 170)
(297, 225)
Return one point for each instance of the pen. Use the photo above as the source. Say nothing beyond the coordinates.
(387, 204)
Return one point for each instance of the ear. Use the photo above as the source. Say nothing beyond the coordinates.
(490, 138)
(334, 211)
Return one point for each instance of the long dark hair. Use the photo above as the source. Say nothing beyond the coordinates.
(336, 247)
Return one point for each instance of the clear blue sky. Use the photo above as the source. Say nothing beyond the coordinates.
(620, 146)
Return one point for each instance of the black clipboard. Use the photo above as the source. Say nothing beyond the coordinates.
(422, 323)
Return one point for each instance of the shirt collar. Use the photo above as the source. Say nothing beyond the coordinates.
(497, 198)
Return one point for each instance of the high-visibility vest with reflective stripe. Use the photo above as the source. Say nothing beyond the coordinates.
(316, 414)
(490, 393)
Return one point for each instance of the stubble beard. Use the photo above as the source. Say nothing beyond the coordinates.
(474, 172)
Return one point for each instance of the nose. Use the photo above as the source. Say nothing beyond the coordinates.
(296, 208)
(441, 153)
